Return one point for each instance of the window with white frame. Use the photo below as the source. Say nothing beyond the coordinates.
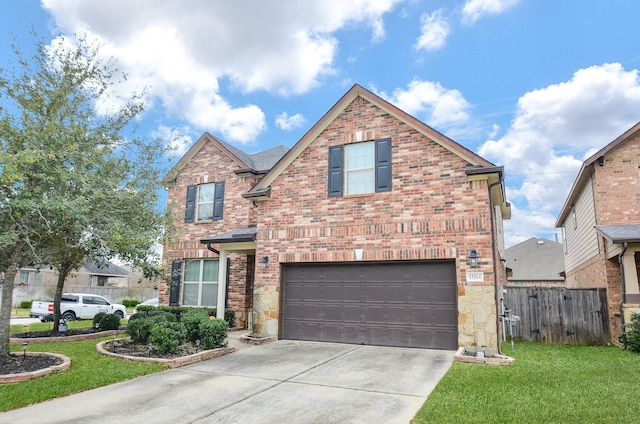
(206, 194)
(200, 286)
(360, 168)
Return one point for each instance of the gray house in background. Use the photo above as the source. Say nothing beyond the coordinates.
(535, 262)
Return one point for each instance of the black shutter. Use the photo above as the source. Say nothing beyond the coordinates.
(176, 277)
(336, 170)
(383, 165)
(218, 200)
(190, 209)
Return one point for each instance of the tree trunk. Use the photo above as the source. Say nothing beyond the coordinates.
(63, 271)
(7, 298)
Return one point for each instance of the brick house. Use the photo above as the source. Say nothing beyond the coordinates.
(372, 229)
(600, 221)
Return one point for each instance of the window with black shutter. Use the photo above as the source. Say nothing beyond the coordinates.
(360, 168)
(205, 202)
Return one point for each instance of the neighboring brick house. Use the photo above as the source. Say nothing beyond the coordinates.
(373, 229)
(535, 262)
(600, 221)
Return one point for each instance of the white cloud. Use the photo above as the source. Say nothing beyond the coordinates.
(287, 123)
(555, 129)
(524, 224)
(435, 30)
(441, 107)
(476, 9)
(177, 139)
(182, 50)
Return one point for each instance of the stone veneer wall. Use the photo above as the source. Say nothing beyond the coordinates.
(433, 212)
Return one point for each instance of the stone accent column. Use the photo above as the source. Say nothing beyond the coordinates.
(266, 304)
(477, 318)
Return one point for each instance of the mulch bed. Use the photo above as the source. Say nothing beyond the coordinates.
(18, 363)
(129, 348)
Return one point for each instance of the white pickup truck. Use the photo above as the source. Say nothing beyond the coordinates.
(76, 306)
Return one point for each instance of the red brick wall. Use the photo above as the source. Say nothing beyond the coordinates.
(210, 164)
(617, 185)
(432, 212)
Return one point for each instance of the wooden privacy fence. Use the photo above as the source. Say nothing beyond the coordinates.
(557, 315)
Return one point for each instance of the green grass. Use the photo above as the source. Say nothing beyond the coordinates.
(88, 370)
(46, 326)
(547, 384)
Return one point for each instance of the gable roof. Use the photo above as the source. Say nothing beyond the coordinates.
(257, 163)
(358, 91)
(107, 269)
(535, 259)
(587, 169)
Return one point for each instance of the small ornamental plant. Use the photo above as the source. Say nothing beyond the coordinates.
(631, 335)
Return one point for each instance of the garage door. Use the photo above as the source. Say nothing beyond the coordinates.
(408, 304)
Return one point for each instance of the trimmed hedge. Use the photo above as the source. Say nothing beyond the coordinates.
(26, 304)
(631, 335)
(130, 303)
(105, 322)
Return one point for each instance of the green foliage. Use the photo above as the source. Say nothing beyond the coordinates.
(192, 320)
(26, 304)
(130, 303)
(107, 321)
(168, 336)
(96, 319)
(143, 310)
(140, 328)
(631, 335)
(213, 333)
(76, 182)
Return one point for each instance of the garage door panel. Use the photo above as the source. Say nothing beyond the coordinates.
(390, 304)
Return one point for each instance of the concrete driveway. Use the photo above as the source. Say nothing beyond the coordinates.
(281, 382)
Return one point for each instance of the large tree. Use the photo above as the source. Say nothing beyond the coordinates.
(77, 182)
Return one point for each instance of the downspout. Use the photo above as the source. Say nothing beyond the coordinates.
(495, 266)
(624, 285)
(217, 252)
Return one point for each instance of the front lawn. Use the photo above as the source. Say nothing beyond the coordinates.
(547, 384)
(89, 370)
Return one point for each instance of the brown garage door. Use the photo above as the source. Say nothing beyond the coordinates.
(408, 304)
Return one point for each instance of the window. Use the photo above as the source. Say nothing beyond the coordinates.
(37, 280)
(200, 283)
(204, 202)
(360, 168)
(24, 277)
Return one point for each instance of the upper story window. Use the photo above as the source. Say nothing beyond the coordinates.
(360, 168)
(204, 202)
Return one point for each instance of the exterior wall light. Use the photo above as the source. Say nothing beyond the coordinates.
(473, 258)
(264, 262)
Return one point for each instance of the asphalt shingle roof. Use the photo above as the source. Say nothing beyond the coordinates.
(536, 259)
(629, 233)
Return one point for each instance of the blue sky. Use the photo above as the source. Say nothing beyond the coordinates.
(533, 85)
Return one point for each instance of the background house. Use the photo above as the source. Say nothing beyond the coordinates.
(600, 221)
(535, 262)
(374, 228)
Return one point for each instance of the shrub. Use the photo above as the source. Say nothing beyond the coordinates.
(213, 333)
(96, 319)
(139, 329)
(25, 304)
(631, 335)
(168, 336)
(192, 320)
(130, 303)
(109, 322)
(229, 315)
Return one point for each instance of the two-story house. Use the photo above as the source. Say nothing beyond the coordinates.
(372, 229)
(600, 221)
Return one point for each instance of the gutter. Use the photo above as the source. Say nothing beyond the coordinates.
(624, 284)
(495, 266)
